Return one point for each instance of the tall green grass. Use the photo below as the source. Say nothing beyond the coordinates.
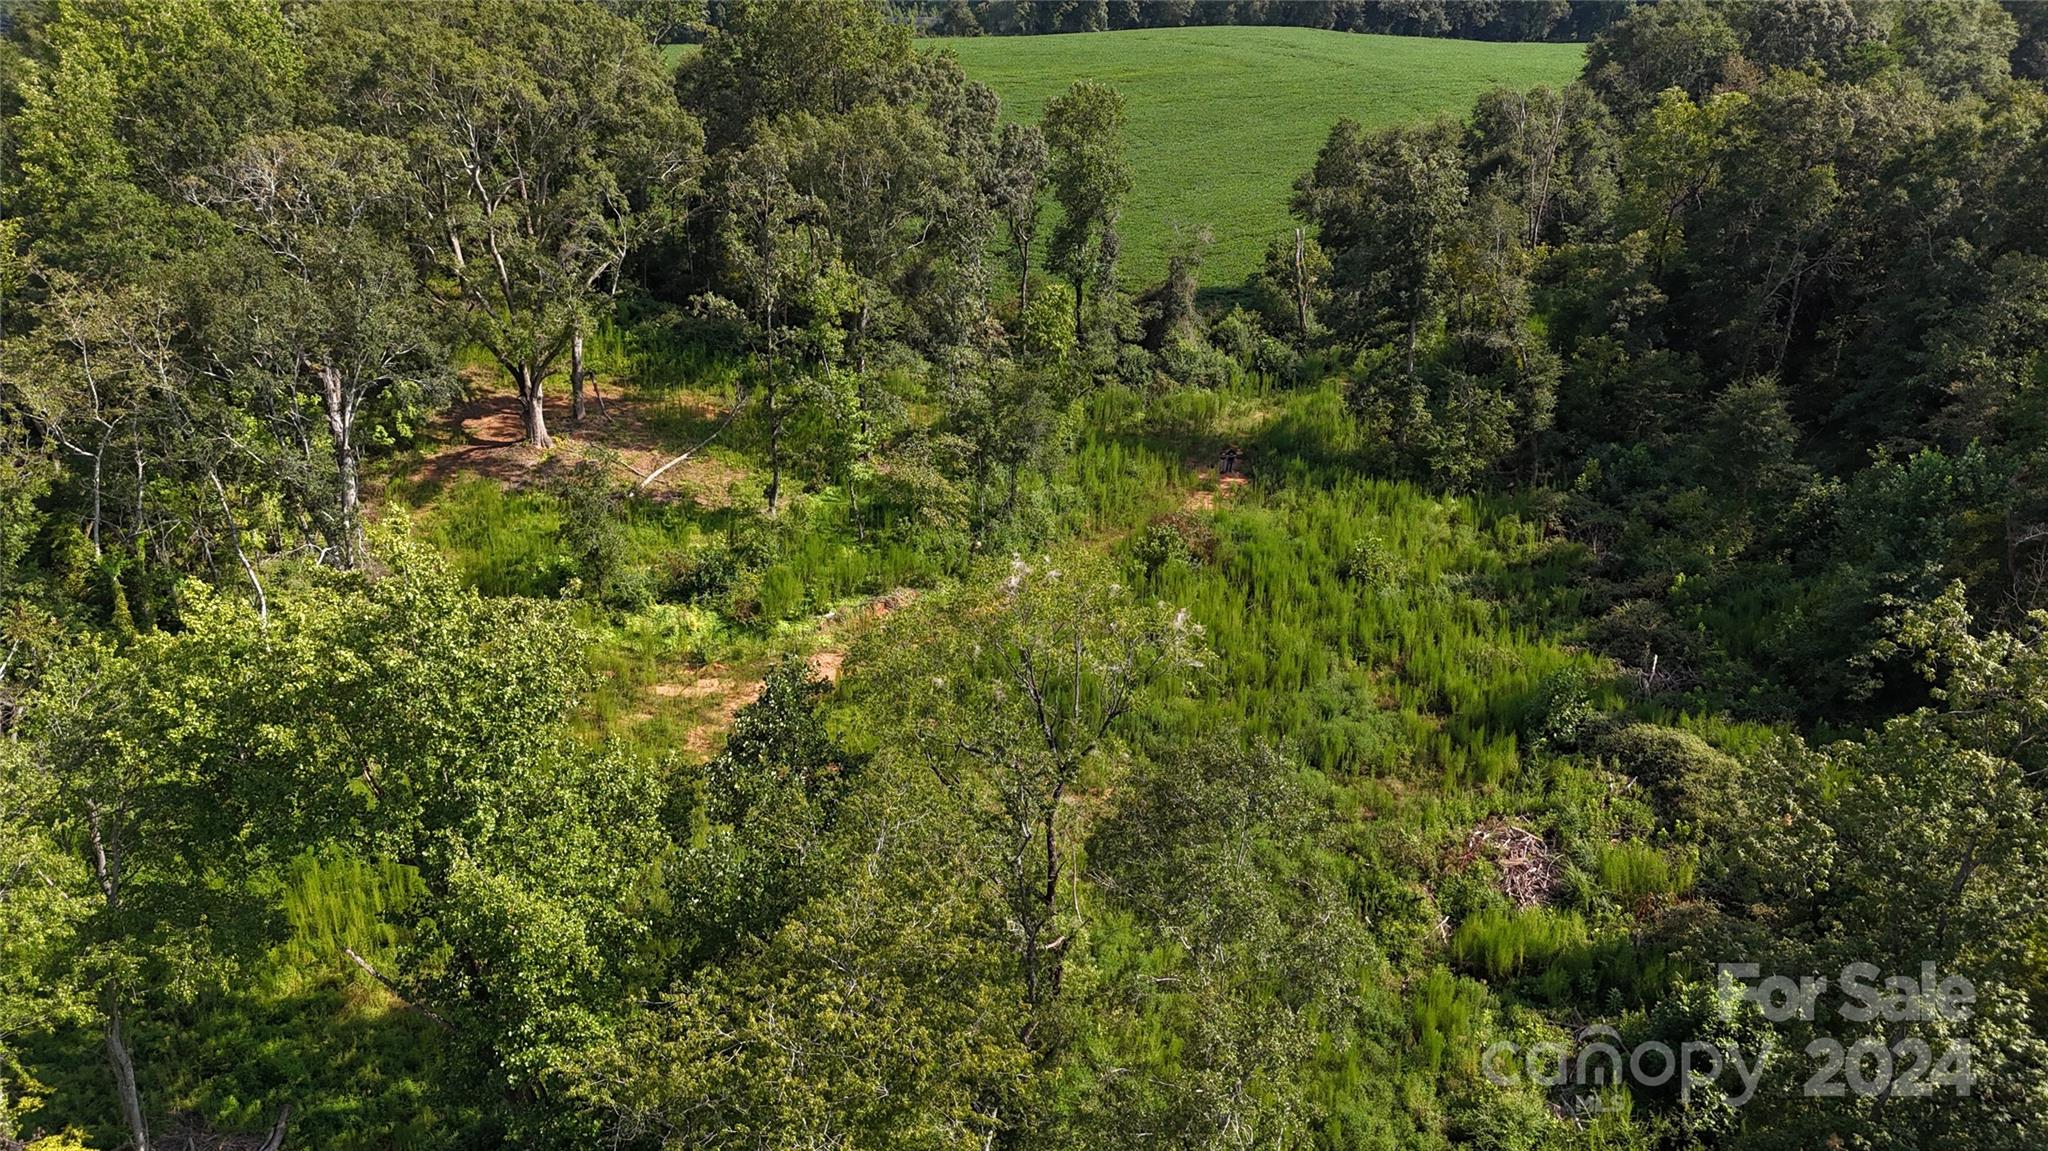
(1502, 943)
(1421, 663)
(1448, 1010)
(1633, 871)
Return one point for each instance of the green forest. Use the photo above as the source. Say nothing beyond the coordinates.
(660, 574)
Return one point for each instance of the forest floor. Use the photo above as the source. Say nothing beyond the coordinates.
(484, 435)
(658, 694)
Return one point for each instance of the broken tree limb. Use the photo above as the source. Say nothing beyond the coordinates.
(276, 1140)
(701, 445)
(393, 988)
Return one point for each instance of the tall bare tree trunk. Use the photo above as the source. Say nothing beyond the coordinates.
(1414, 320)
(124, 1069)
(341, 418)
(106, 868)
(235, 538)
(775, 415)
(99, 456)
(576, 375)
(1024, 300)
(1300, 284)
(535, 417)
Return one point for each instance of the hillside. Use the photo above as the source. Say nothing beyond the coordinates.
(1223, 119)
(549, 599)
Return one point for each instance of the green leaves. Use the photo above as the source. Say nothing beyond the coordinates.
(1089, 177)
(769, 802)
(44, 897)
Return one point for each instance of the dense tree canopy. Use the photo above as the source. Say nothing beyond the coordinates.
(932, 691)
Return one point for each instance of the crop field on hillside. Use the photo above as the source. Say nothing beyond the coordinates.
(1223, 119)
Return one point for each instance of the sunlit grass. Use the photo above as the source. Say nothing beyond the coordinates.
(1221, 120)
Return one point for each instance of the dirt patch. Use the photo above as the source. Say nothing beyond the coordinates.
(714, 697)
(485, 435)
(716, 693)
(874, 609)
(1209, 488)
(840, 622)
(826, 664)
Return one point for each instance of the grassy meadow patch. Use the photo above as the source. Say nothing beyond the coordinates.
(1223, 119)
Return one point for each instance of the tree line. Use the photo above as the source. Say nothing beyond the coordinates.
(1546, 20)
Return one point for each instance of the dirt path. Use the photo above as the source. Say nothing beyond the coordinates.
(706, 699)
(1203, 496)
(713, 697)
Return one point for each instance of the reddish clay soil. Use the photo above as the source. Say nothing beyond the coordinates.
(1203, 497)
(714, 695)
(485, 435)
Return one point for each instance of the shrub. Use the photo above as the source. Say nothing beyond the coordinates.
(1191, 361)
(1681, 770)
(1369, 562)
(593, 528)
(701, 576)
(1562, 710)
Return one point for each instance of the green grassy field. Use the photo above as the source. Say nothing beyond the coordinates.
(1223, 119)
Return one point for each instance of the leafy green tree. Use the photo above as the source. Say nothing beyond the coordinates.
(770, 59)
(173, 471)
(44, 896)
(440, 727)
(877, 1014)
(335, 313)
(593, 508)
(1008, 418)
(902, 211)
(1291, 288)
(791, 287)
(957, 20)
(1090, 177)
(403, 719)
(1020, 172)
(1922, 855)
(1203, 851)
(1686, 45)
(1749, 447)
(1802, 34)
(769, 802)
(1959, 48)
(881, 178)
(535, 137)
(164, 836)
(1550, 153)
(1385, 206)
(98, 353)
(1041, 686)
(121, 101)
